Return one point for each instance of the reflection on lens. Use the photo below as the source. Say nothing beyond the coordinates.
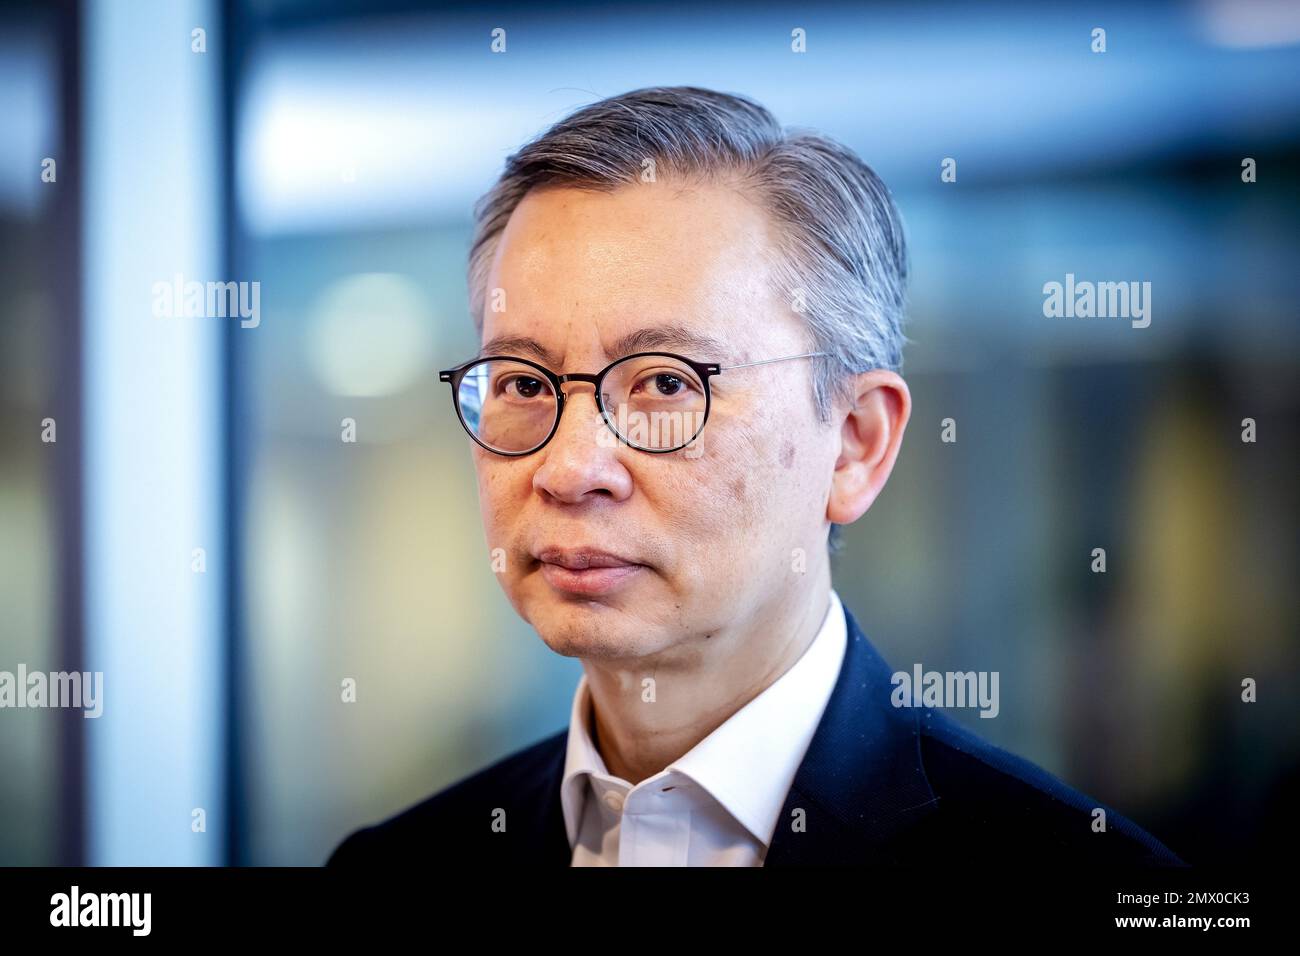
(509, 406)
(654, 402)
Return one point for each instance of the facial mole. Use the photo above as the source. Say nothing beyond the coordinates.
(787, 455)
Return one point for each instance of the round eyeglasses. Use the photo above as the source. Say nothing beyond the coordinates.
(655, 402)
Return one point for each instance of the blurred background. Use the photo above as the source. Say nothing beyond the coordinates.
(331, 152)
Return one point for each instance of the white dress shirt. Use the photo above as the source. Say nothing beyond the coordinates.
(720, 803)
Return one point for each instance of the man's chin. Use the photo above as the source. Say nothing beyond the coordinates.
(591, 630)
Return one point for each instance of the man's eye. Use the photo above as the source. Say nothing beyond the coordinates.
(525, 386)
(665, 384)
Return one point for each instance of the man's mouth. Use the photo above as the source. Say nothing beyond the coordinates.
(586, 571)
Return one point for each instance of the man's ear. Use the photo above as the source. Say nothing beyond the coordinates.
(870, 437)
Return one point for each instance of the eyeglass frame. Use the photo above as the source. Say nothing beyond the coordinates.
(704, 370)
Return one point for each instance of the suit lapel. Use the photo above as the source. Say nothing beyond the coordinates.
(861, 784)
(549, 840)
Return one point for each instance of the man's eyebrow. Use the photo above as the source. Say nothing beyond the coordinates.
(518, 345)
(678, 338)
(702, 348)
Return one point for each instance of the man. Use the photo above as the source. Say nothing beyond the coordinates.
(692, 329)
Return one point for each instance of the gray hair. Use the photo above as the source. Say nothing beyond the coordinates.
(843, 258)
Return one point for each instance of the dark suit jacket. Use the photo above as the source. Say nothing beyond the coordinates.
(878, 785)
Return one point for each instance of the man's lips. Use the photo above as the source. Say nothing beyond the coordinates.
(579, 559)
(586, 571)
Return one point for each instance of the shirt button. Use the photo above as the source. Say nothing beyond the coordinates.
(614, 800)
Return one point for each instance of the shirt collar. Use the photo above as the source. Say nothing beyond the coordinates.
(749, 762)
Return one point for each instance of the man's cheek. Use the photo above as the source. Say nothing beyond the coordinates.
(717, 492)
(499, 514)
(496, 489)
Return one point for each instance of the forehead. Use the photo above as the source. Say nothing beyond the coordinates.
(690, 259)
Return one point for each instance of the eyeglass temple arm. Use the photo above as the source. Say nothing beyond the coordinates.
(784, 358)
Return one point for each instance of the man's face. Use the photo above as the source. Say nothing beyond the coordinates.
(711, 531)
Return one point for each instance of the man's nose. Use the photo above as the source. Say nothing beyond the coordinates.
(577, 462)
